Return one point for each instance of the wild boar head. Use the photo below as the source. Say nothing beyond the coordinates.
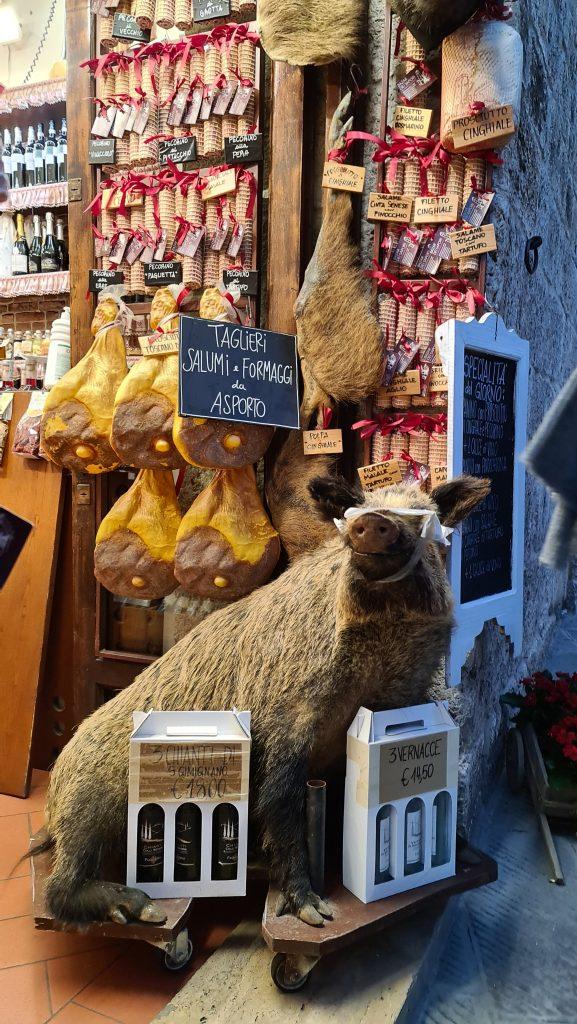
(398, 533)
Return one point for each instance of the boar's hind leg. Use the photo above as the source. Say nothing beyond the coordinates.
(281, 809)
(74, 898)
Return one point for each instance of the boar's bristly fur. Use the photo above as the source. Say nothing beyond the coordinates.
(311, 31)
(429, 21)
(301, 654)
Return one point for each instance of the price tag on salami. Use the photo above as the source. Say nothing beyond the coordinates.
(380, 474)
(473, 241)
(206, 10)
(159, 344)
(243, 149)
(413, 121)
(343, 177)
(219, 184)
(316, 442)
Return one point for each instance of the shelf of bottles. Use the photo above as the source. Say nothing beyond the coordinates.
(34, 162)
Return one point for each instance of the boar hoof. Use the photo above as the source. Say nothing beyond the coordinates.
(126, 904)
(309, 908)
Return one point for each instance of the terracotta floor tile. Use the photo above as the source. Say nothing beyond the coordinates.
(135, 988)
(22, 943)
(68, 975)
(15, 897)
(14, 838)
(24, 995)
(74, 1014)
(35, 800)
(36, 821)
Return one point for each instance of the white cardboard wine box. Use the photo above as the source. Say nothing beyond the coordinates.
(188, 803)
(400, 817)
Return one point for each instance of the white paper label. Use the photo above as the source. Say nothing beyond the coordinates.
(414, 837)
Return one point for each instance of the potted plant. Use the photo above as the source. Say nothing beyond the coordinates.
(545, 735)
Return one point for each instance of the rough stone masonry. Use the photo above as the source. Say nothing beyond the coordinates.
(536, 194)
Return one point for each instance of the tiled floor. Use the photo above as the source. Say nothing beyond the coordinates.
(71, 978)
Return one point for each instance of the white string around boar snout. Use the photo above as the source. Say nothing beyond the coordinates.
(433, 532)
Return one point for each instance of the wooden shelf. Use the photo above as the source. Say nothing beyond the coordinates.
(57, 283)
(37, 94)
(36, 197)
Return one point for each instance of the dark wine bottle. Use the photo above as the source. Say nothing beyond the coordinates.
(383, 845)
(62, 247)
(187, 843)
(29, 157)
(20, 251)
(39, 168)
(50, 153)
(62, 152)
(18, 161)
(50, 256)
(35, 256)
(7, 156)
(225, 842)
(150, 844)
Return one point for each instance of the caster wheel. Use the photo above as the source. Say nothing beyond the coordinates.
(283, 980)
(515, 760)
(176, 963)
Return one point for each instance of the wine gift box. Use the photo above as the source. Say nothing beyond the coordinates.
(188, 803)
(400, 819)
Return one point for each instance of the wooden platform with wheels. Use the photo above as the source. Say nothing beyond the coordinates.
(298, 946)
(170, 937)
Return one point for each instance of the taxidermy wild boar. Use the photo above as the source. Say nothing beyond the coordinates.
(311, 31)
(429, 21)
(365, 619)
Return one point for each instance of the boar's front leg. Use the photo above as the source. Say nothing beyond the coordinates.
(281, 810)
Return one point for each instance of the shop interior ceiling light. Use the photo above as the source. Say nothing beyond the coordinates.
(10, 27)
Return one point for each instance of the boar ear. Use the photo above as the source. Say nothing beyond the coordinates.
(333, 495)
(457, 498)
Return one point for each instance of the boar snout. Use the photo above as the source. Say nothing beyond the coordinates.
(372, 534)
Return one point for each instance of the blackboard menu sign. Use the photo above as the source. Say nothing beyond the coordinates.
(102, 151)
(180, 151)
(488, 451)
(205, 10)
(125, 26)
(100, 279)
(158, 274)
(244, 374)
(247, 280)
(243, 149)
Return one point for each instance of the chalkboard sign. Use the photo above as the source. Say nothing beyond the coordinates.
(488, 451)
(243, 149)
(204, 10)
(102, 151)
(100, 279)
(158, 274)
(247, 280)
(125, 26)
(180, 151)
(244, 374)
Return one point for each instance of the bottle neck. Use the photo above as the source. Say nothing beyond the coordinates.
(49, 224)
(36, 226)
(20, 225)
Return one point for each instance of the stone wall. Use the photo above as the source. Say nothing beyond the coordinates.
(536, 195)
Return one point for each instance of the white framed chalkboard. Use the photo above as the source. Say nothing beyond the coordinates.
(487, 367)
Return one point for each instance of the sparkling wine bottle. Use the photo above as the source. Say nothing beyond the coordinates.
(35, 257)
(50, 256)
(62, 247)
(20, 251)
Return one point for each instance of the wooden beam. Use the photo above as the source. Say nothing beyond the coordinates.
(80, 111)
(285, 196)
